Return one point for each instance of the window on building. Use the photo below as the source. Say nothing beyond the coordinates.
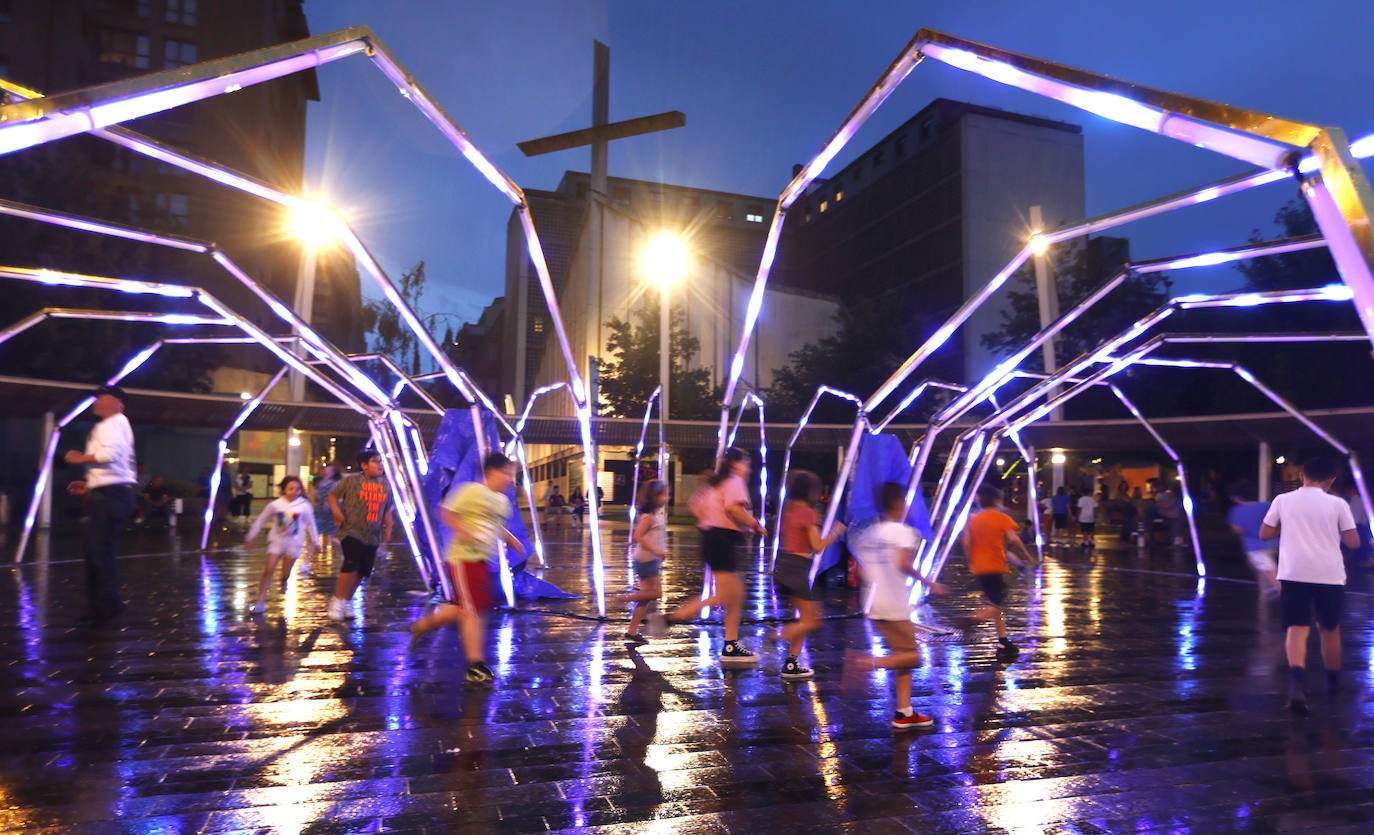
(177, 207)
(181, 11)
(725, 210)
(753, 218)
(620, 195)
(877, 157)
(539, 324)
(899, 147)
(839, 194)
(177, 53)
(145, 8)
(825, 204)
(115, 46)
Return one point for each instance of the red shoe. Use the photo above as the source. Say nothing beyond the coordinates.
(902, 722)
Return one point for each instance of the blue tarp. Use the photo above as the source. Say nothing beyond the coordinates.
(881, 459)
(453, 461)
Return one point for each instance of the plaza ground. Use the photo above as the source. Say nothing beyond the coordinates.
(1143, 700)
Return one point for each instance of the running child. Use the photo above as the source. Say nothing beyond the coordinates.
(1245, 518)
(800, 529)
(650, 542)
(1311, 525)
(290, 523)
(986, 537)
(477, 513)
(885, 552)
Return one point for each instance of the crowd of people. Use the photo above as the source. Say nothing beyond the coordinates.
(1297, 546)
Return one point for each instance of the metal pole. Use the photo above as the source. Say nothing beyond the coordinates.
(1266, 472)
(1048, 295)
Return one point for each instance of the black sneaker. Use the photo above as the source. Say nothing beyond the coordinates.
(733, 653)
(792, 671)
(636, 640)
(1007, 651)
(479, 673)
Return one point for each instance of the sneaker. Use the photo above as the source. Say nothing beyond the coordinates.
(479, 673)
(903, 722)
(792, 671)
(733, 653)
(1298, 707)
(339, 610)
(1007, 651)
(257, 608)
(656, 624)
(637, 640)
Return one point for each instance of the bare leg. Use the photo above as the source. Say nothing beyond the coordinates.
(1331, 648)
(730, 590)
(288, 561)
(902, 663)
(472, 626)
(691, 608)
(808, 619)
(994, 614)
(1296, 645)
(267, 575)
(347, 584)
(651, 590)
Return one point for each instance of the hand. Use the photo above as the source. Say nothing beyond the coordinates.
(74, 457)
(839, 528)
(338, 520)
(76, 488)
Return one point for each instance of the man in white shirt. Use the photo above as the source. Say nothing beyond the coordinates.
(1311, 525)
(110, 498)
(1087, 518)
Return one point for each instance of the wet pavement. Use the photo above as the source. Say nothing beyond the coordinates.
(1143, 700)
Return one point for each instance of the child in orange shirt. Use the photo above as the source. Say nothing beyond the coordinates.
(986, 537)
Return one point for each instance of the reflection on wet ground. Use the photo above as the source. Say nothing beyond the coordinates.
(1143, 700)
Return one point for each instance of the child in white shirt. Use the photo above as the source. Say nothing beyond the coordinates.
(290, 523)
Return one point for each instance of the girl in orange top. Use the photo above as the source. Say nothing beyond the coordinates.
(800, 529)
(986, 537)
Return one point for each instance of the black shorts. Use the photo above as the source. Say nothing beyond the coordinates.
(994, 587)
(1061, 521)
(792, 577)
(1088, 528)
(718, 548)
(358, 557)
(1300, 600)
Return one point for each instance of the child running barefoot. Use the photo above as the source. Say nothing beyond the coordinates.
(885, 552)
(650, 549)
(290, 523)
(800, 528)
(986, 537)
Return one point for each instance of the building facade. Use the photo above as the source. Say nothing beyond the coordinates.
(925, 217)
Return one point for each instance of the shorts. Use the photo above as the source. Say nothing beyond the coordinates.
(358, 557)
(994, 587)
(1299, 600)
(648, 569)
(1088, 528)
(1262, 561)
(718, 548)
(471, 582)
(899, 635)
(1061, 521)
(792, 577)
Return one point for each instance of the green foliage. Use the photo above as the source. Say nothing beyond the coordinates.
(630, 372)
(387, 333)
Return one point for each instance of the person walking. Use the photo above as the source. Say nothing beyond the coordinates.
(650, 549)
(800, 531)
(1087, 518)
(1311, 525)
(986, 537)
(290, 523)
(1059, 509)
(325, 482)
(361, 506)
(477, 513)
(241, 505)
(111, 474)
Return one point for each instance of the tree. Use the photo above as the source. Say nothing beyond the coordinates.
(387, 333)
(631, 372)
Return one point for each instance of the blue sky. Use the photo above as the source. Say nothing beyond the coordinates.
(764, 83)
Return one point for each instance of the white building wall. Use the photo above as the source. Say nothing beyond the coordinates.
(1008, 167)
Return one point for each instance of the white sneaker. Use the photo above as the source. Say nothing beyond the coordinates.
(258, 608)
(338, 609)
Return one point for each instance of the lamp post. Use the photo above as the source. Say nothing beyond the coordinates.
(315, 226)
(665, 262)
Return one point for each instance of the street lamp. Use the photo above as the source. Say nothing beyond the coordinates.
(665, 259)
(316, 226)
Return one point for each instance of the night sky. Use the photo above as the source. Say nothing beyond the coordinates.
(763, 85)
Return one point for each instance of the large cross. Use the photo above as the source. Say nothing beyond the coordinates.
(599, 136)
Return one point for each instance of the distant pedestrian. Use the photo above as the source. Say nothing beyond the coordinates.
(1311, 526)
(241, 505)
(885, 552)
(577, 505)
(290, 523)
(986, 538)
(800, 539)
(1170, 509)
(1246, 517)
(1087, 518)
(110, 499)
(1059, 510)
(361, 504)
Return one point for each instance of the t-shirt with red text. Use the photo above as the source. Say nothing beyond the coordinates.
(365, 503)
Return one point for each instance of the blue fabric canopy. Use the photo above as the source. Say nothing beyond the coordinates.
(881, 459)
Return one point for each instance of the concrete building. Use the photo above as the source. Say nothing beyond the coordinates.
(927, 215)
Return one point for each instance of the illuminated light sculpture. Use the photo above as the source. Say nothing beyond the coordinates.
(655, 399)
(38, 120)
(1340, 196)
(535, 395)
(821, 391)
